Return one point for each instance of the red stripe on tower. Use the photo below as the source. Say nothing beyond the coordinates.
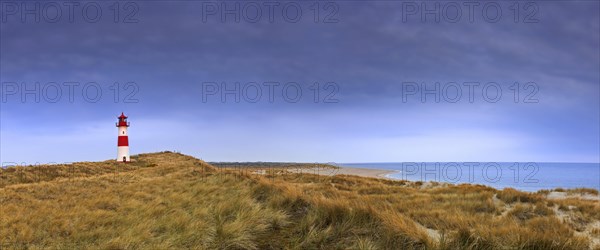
(123, 141)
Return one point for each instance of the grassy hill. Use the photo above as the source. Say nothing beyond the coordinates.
(169, 200)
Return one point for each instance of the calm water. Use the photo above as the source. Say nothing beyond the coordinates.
(519, 175)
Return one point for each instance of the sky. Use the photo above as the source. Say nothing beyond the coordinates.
(304, 81)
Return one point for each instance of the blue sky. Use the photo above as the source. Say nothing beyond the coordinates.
(370, 57)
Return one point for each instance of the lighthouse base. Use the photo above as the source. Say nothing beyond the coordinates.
(123, 154)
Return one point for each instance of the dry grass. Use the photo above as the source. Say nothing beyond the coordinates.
(582, 191)
(168, 200)
(510, 195)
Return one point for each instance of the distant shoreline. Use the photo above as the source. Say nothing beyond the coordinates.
(529, 177)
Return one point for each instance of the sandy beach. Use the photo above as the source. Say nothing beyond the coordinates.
(365, 172)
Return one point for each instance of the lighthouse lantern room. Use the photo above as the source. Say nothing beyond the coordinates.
(123, 142)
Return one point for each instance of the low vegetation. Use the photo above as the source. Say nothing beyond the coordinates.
(173, 201)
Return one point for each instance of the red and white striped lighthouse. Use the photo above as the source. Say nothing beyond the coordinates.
(123, 143)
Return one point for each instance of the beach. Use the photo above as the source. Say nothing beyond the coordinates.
(365, 172)
(362, 172)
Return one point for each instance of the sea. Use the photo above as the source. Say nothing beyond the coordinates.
(525, 176)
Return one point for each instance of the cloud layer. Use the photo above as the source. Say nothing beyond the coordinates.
(370, 55)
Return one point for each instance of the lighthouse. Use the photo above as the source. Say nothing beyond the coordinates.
(123, 142)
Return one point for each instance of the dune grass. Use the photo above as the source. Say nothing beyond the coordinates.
(172, 201)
